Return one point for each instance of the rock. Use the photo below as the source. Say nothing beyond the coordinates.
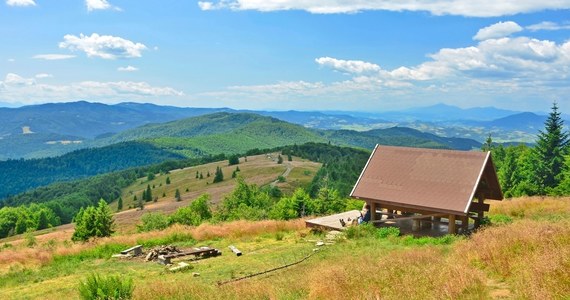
(320, 243)
(195, 274)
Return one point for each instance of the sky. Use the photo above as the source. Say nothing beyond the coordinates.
(351, 55)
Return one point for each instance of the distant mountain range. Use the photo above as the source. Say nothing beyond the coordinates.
(56, 128)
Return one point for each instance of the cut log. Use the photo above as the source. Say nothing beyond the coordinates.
(235, 250)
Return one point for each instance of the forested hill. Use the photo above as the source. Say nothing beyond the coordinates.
(256, 131)
(216, 123)
(19, 175)
(213, 134)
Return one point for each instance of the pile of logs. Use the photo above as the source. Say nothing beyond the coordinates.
(161, 250)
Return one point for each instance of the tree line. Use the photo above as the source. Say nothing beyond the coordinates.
(540, 170)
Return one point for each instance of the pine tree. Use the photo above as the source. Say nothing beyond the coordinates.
(208, 174)
(197, 175)
(120, 204)
(219, 177)
(289, 157)
(201, 175)
(279, 159)
(488, 145)
(167, 180)
(148, 194)
(177, 195)
(549, 152)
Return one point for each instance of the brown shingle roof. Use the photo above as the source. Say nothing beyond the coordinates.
(434, 180)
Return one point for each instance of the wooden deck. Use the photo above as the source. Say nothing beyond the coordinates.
(332, 221)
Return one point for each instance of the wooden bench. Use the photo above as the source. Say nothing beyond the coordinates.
(137, 250)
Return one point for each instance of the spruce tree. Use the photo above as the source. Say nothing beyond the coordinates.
(289, 157)
(219, 176)
(549, 152)
(177, 195)
(167, 180)
(148, 194)
(197, 175)
(120, 204)
(279, 159)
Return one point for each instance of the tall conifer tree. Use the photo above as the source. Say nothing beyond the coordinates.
(549, 151)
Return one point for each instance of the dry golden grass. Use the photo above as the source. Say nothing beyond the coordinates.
(533, 257)
(533, 207)
(418, 273)
(42, 254)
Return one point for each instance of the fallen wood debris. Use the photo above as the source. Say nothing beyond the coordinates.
(235, 250)
(136, 250)
(154, 253)
(202, 252)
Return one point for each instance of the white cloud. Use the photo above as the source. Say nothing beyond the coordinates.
(11, 60)
(546, 25)
(491, 71)
(20, 2)
(12, 79)
(351, 66)
(127, 69)
(470, 8)
(103, 46)
(99, 5)
(498, 30)
(53, 56)
(43, 75)
(17, 88)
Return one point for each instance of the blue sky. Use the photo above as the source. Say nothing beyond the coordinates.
(365, 55)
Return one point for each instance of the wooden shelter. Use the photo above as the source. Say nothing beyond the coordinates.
(428, 185)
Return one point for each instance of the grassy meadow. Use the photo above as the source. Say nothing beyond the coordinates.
(524, 255)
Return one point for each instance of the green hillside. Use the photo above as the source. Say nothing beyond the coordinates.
(19, 175)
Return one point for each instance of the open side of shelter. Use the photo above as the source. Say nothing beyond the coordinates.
(428, 187)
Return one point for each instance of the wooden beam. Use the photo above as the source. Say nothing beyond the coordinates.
(419, 217)
(372, 211)
(477, 206)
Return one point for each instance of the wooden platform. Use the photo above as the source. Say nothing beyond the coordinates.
(332, 221)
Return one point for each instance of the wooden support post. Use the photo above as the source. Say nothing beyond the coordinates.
(416, 225)
(435, 222)
(464, 223)
(451, 229)
(480, 212)
(372, 211)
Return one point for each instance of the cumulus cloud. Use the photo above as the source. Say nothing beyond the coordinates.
(20, 3)
(103, 46)
(546, 25)
(53, 56)
(350, 66)
(491, 70)
(498, 30)
(99, 5)
(43, 75)
(11, 60)
(18, 88)
(470, 8)
(127, 69)
(12, 79)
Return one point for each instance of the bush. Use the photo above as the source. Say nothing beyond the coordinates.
(361, 231)
(106, 287)
(153, 221)
(93, 222)
(386, 232)
(194, 214)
